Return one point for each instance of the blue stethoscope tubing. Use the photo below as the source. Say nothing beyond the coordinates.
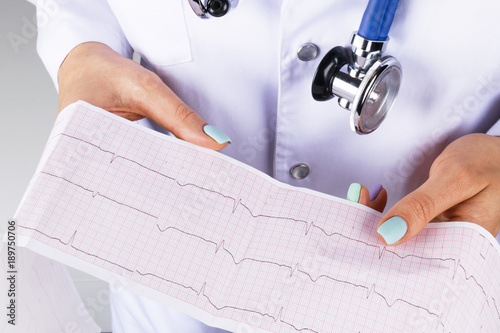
(377, 19)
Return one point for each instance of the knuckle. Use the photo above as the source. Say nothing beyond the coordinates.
(463, 173)
(465, 176)
(140, 85)
(149, 80)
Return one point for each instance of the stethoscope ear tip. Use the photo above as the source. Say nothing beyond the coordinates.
(218, 8)
(210, 8)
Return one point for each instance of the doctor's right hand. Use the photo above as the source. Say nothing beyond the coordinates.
(94, 73)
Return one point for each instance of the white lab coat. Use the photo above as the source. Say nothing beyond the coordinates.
(241, 73)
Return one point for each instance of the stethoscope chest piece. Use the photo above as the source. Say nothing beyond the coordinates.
(364, 82)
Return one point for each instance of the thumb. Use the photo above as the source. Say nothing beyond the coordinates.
(160, 104)
(412, 213)
(95, 73)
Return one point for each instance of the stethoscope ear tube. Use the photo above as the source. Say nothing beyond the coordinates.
(377, 19)
(326, 72)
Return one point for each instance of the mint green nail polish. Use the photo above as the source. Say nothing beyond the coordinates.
(216, 134)
(353, 192)
(393, 229)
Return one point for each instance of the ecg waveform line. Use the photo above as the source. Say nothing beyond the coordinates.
(218, 246)
(292, 269)
(69, 242)
(236, 203)
(295, 268)
(307, 225)
(96, 193)
(198, 292)
(207, 297)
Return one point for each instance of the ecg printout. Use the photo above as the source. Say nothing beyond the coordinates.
(239, 250)
(46, 297)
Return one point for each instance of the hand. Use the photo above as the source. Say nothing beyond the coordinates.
(463, 185)
(95, 73)
(376, 198)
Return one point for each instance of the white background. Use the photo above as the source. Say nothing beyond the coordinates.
(28, 104)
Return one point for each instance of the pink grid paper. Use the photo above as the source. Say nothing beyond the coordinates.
(232, 242)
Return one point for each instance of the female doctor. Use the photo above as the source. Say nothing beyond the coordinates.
(248, 74)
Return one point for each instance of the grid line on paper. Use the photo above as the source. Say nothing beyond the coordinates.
(354, 276)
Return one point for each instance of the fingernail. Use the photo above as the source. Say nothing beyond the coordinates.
(353, 192)
(393, 229)
(216, 134)
(374, 192)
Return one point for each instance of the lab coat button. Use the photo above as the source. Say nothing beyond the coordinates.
(307, 52)
(299, 171)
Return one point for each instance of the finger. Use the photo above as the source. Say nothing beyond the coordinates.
(375, 199)
(122, 86)
(442, 191)
(378, 198)
(160, 104)
(481, 209)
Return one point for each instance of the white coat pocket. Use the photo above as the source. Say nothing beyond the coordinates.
(156, 29)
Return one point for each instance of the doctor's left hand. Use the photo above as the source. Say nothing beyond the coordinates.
(463, 185)
(93, 72)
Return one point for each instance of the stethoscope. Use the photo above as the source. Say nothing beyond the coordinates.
(365, 82)
(211, 8)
